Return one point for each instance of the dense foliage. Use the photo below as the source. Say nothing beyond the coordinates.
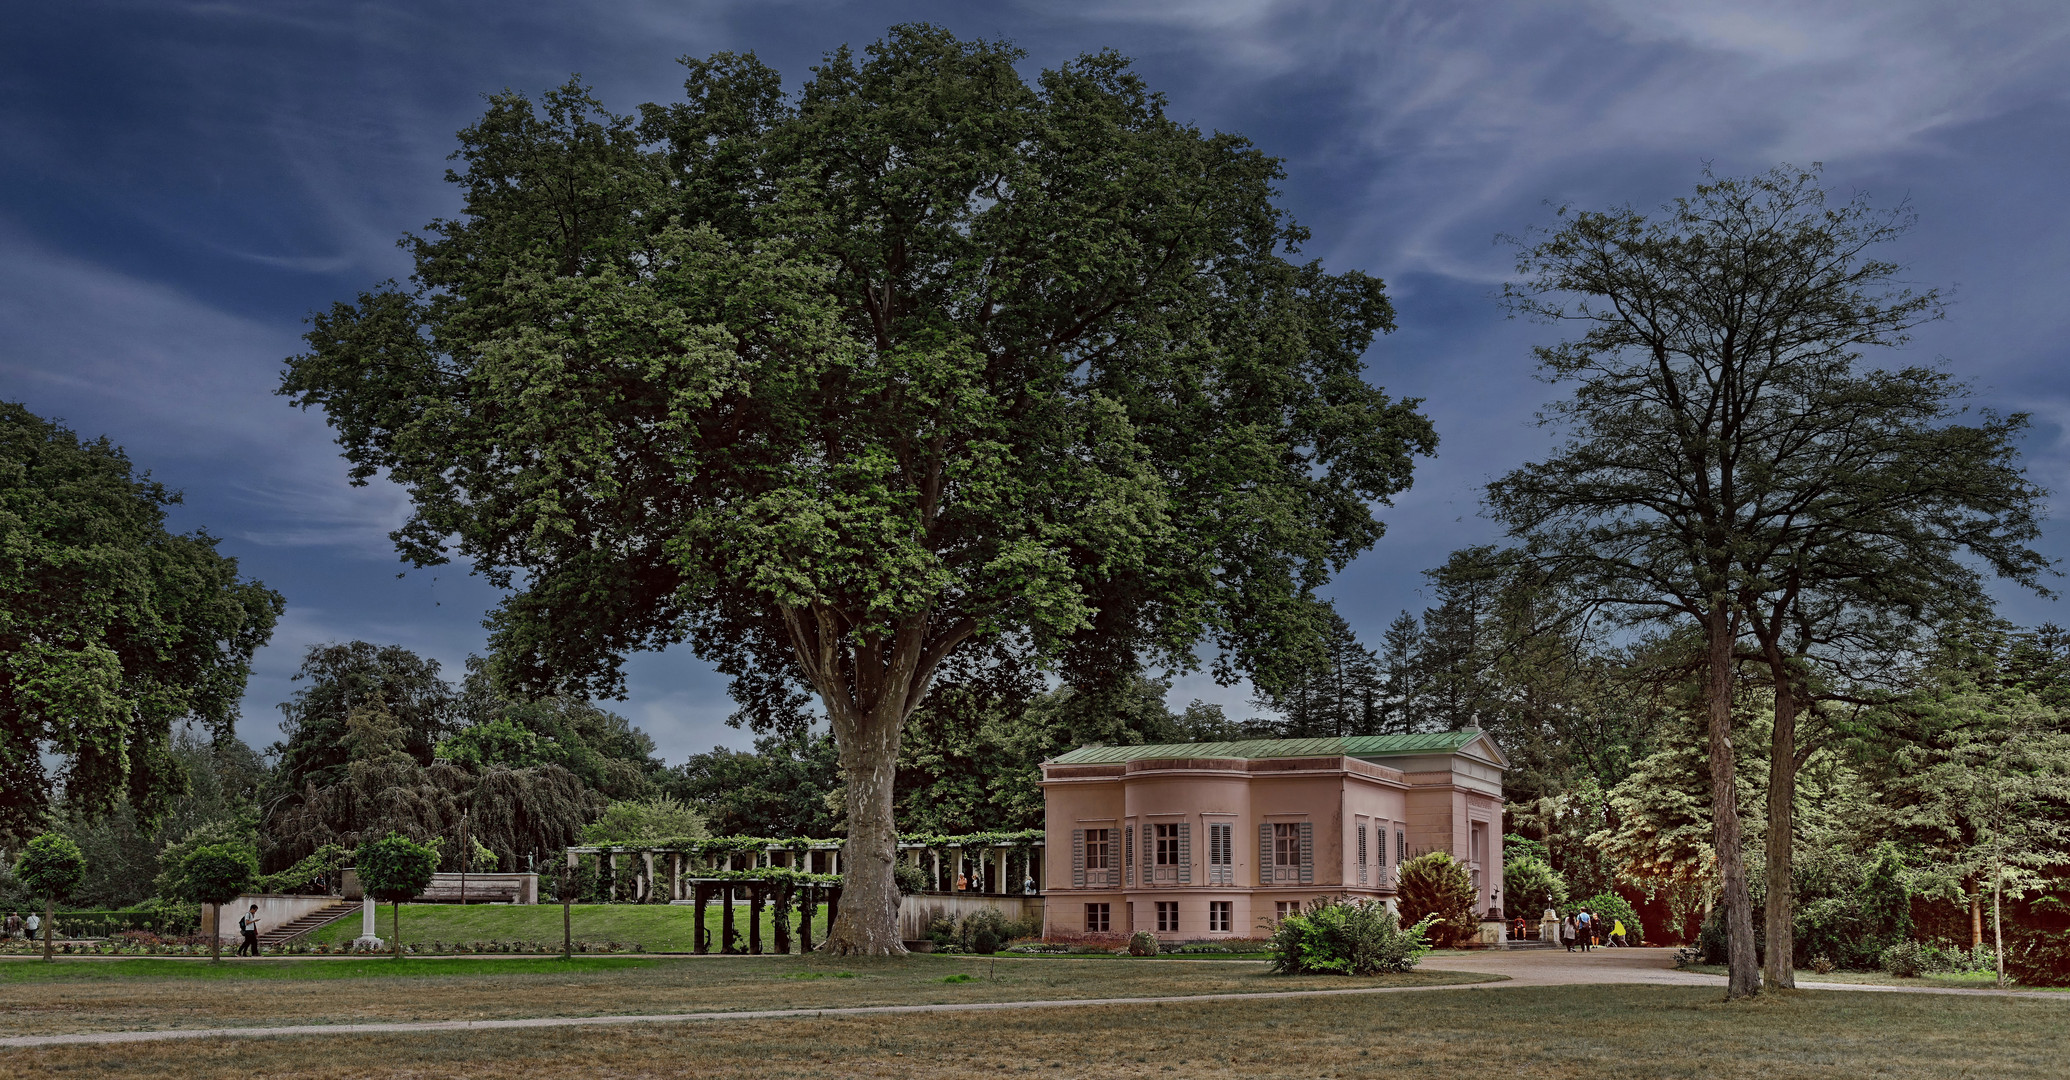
(112, 630)
(996, 370)
(1436, 892)
(1348, 938)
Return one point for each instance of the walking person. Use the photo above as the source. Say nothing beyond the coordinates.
(250, 925)
(34, 924)
(11, 927)
(1617, 934)
(1585, 926)
(1567, 932)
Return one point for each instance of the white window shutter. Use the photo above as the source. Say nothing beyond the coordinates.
(1078, 858)
(1307, 853)
(1185, 853)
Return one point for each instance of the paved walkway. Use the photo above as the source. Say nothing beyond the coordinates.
(1523, 968)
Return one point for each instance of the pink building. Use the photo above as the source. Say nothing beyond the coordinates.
(1207, 840)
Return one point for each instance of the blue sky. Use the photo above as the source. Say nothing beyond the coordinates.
(181, 183)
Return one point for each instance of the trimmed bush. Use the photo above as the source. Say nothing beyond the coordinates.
(1906, 960)
(1435, 889)
(1348, 937)
(2039, 958)
(1142, 943)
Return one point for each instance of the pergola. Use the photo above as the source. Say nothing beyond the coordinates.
(803, 871)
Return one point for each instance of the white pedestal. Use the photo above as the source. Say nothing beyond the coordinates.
(366, 938)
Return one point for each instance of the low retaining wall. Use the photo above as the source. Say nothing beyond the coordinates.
(445, 888)
(919, 909)
(275, 910)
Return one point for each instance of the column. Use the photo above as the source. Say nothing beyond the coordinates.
(647, 883)
(806, 905)
(367, 918)
(1005, 886)
(935, 882)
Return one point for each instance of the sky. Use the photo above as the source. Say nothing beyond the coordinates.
(183, 183)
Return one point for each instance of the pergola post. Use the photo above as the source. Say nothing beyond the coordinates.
(647, 882)
(700, 892)
(1004, 887)
(675, 876)
(726, 919)
(934, 881)
(754, 917)
(777, 923)
(833, 903)
(807, 904)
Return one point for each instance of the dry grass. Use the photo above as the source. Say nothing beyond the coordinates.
(1551, 1033)
(80, 996)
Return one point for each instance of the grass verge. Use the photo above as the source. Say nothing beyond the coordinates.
(1535, 1033)
(120, 995)
(1877, 978)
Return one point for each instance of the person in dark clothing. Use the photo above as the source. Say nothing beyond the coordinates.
(250, 925)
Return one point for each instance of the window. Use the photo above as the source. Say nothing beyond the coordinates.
(1221, 913)
(1286, 845)
(1283, 908)
(1362, 853)
(1097, 920)
(1167, 845)
(1221, 854)
(1401, 847)
(1167, 916)
(1096, 847)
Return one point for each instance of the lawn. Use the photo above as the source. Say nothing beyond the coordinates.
(116, 995)
(655, 927)
(1536, 1033)
(1949, 981)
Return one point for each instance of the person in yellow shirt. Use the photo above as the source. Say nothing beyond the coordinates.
(1617, 934)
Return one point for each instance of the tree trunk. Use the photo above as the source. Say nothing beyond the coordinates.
(1743, 978)
(868, 922)
(568, 918)
(1976, 914)
(1779, 928)
(50, 916)
(395, 925)
(1998, 920)
(215, 940)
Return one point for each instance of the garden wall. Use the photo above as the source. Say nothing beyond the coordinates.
(275, 910)
(919, 909)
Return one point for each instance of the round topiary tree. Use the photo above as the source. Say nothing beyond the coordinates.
(396, 868)
(50, 867)
(1532, 885)
(1437, 884)
(215, 874)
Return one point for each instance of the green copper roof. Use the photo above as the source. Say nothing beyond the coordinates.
(1353, 746)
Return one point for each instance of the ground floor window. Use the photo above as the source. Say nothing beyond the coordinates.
(1283, 908)
(1167, 916)
(1096, 919)
(1221, 913)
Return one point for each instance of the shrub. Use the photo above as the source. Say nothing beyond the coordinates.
(1142, 943)
(2039, 958)
(1347, 937)
(1821, 965)
(1436, 890)
(1906, 959)
(1532, 885)
(910, 878)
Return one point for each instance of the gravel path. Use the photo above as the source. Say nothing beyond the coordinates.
(1522, 968)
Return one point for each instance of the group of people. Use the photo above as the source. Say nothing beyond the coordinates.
(1583, 930)
(14, 926)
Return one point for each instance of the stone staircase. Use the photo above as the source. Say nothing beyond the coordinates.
(315, 919)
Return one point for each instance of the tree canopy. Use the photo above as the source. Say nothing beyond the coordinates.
(1729, 467)
(112, 628)
(923, 367)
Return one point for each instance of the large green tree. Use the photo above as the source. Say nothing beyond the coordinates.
(112, 628)
(924, 366)
(1730, 466)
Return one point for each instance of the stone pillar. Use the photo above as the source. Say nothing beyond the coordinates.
(834, 861)
(1005, 886)
(647, 882)
(368, 918)
(935, 881)
(675, 875)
